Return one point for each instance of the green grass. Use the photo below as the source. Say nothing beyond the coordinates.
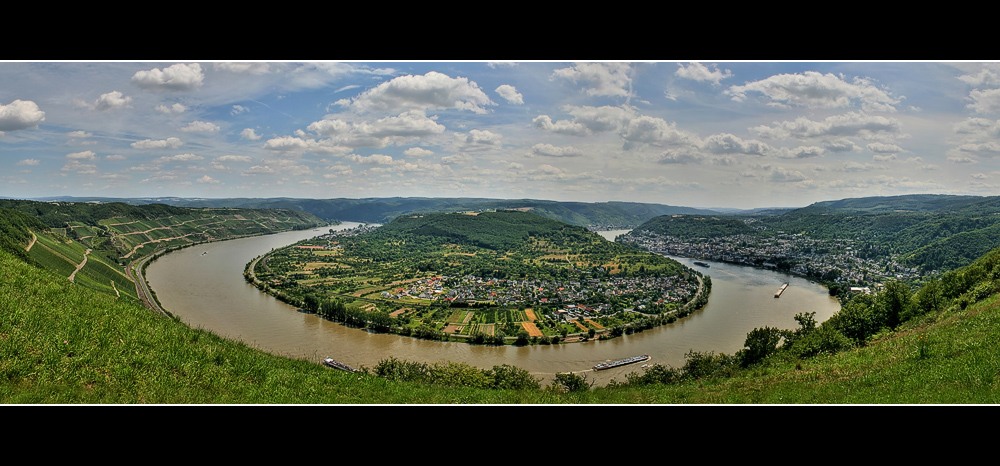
(64, 343)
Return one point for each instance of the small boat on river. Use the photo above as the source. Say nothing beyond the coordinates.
(621, 362)
(330, 362)
(701, 264)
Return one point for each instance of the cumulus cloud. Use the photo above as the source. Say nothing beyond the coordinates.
(374, 159)
(430, 91)
(171, 143)
(840, 145)
(259, 170)
(562, 127)
(177, 77)
(785, 175)
(286, 143)
(79, 167)
(28, 163)
(172, 109)
(199, 126)
(726, 143)
(848, 124)
(249, 134)
(699, 72)
(234, 158)
(882, 148)
(85, 155)
(79, 134)
(987, 76)
(985, 101)
(653, 131)
(20, 114)
(884, 157)
(114, 157)
(238, 109)
(482, 138)
(679, 156)
(510, 94)
(600, 79)
(397, 129)
(181, 158)
(548, 150)
(207, 180)
(112, 100)
(255, 68)
(802, 152)
(816, 90)
(417, 152)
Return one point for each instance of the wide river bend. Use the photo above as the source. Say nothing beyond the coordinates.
(203, 285)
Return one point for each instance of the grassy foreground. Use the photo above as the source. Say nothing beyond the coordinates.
(63, 343)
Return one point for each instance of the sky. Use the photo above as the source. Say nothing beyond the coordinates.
(742, 134)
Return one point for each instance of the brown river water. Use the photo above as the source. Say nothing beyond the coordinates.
(204, 287)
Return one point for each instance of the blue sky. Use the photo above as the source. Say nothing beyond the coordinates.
(704, 134)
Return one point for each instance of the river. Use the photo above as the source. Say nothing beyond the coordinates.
(204, 287)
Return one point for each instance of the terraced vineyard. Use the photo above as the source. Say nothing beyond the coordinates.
(96, 243)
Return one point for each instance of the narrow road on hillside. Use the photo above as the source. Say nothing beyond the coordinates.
(72, 276)
(32, 243)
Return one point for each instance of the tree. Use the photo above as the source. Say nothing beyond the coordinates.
(760, 343)
(570, 382)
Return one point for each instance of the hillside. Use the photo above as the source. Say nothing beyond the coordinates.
(94, 244)
(382, 210)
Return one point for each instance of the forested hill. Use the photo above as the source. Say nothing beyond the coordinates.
(382, 210)
(497, 231)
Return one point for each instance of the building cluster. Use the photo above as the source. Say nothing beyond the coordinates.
(837, 260)
(595, 295)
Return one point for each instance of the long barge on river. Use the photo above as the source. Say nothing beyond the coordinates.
(330, 362)
(781, 289)
(621, 362)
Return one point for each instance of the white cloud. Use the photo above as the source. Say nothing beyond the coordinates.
(726, 143)
(433, 90)
(407, 124)
(562, 127)
(653, 131)
(985, 101)
(784, 175)
(175, 108)
(171, 143)
(510, 94)
(181, 158)
(417, 152)
(20, 114)
(698, 72)
(374, 159)
(234, 158)
(259, 170)
(987, 76)
(841, 145)
(884, 157)
(848, 124)
(601, 79)
(114, 157)
(249, 134)
(207, 180)
(79, 134)
(28, 163)
(548, 150)
(112, 100)
(199, 126)
(884, 148)
(254, 68)
(816, 90)
(177, 77)
(802, 152)
(238, 109)
(80, 168)
(479, 137)
(681, 156)
(85, 155)
(501, 64)
(286, 143)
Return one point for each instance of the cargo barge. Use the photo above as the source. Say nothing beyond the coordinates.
(621, 362)
(781, 289)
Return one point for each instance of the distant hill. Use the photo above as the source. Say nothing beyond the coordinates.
(612, 214)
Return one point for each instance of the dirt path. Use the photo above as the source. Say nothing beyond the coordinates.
(72, 276)
(116, 289)
(32, 243)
